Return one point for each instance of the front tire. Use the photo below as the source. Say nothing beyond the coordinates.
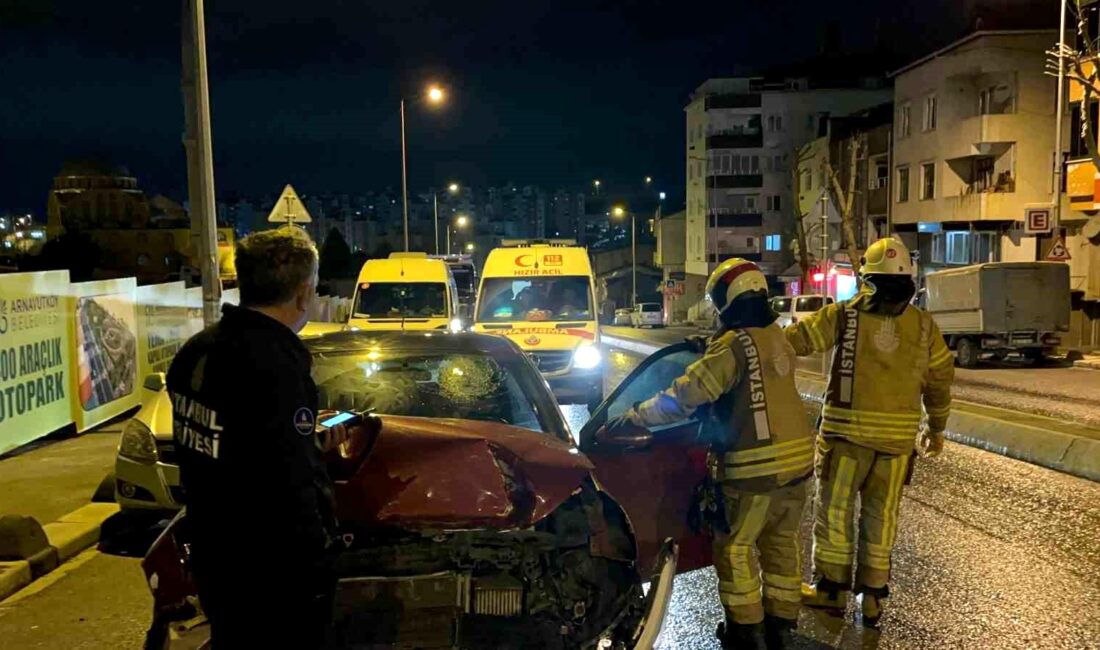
(966, 353)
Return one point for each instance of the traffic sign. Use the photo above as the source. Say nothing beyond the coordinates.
(289, 208)
(1037, 221)
(1058, 252)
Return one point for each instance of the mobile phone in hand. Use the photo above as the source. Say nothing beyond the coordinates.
(346, 418)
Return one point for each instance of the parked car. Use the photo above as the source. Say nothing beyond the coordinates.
(648, 314)
(536, 538)
(623, 316)
(793, 308)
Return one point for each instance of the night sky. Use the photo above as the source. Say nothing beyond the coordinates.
(546, 93)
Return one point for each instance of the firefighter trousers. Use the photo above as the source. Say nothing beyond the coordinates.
(768, 521)
(845, 471)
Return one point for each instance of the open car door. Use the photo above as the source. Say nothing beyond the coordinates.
(654, 480)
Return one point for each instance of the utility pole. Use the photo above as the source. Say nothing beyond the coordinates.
(435, 211)
(633, 262)
(200, 156)
(1056, 213)
(405, 180)
(824, 240)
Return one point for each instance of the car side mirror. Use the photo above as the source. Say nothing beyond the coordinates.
(155, 382)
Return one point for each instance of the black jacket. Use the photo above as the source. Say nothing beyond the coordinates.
(243, 413)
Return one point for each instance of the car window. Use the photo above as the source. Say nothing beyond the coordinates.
(401, 300)
(650, 307)
(781, 305)
(656, 376)
(812, 303)
(556, 298)
(467, 386)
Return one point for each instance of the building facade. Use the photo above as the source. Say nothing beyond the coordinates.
(742, 134)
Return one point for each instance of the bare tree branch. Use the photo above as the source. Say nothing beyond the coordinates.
(845, 198)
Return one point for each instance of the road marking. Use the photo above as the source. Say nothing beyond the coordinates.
(50, 578)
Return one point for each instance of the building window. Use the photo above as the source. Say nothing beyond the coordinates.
(881, 177)
(750, 203)
(773, 242)
(995, 100)
(773, 203)
(927, 181)
(755, 162)
(750, 242)
(939, 245)
(903, 121)
(982, 174)
(775, 123)
(903, 184)
(929, 123)
(1078, 148)
(958, 248)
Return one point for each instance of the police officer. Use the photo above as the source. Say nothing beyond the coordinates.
(259, 501)
(888, 358)
(762, 452)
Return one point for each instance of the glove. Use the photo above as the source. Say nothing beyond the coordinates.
(930, 443)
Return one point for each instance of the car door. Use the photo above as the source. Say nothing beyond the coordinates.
(654, 480)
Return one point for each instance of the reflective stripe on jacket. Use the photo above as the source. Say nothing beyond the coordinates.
(748, 375)
(884, 369)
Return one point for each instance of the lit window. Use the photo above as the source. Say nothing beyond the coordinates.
(773, 242)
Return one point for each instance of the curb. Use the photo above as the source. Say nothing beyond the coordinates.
(1046, 447)
(67, 536)
(1088, 364)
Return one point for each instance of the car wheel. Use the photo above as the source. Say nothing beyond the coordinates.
(966, 353)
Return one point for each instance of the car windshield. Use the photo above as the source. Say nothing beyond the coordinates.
(465, 385)
(556, 298)
(401, 300)
(781, 305)
(464, 280)
(650, 307)
(812, 303)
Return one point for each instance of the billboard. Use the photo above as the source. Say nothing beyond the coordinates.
(104, 326)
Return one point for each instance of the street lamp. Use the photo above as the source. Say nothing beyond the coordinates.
(618, 212)
(648, 180)
(460, 222)
(434, 95)
(453, 189)
(470, 247)
(597, 184)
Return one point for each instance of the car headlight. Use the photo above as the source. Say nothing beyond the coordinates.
(456, 325)
(138, 442)
(587, 356)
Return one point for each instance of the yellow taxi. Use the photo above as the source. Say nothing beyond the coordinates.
(541, 295)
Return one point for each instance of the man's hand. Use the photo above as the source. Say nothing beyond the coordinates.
(930, 443)
(332, 437)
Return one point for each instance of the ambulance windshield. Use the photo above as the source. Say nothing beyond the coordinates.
(557, 298)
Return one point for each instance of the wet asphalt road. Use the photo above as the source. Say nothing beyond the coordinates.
(991, 553)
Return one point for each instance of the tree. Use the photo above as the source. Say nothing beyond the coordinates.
(73, 250)
(1080, 65)
(844, 197)
(335, 256)
(798, 244)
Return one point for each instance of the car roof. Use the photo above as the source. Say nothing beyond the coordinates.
(442, 341)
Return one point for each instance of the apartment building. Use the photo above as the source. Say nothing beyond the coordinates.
(974, 148)
(742, 135)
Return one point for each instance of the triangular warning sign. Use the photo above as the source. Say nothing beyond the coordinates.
(1058, 252)
(289, 208)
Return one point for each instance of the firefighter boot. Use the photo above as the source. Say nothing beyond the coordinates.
(872, 604)
(825, 594)
(779, 632)
(735, 636)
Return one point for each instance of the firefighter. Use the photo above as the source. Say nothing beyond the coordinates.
(761, 454)
(888, 358)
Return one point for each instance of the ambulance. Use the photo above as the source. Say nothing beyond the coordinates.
(541, 295)
(406, 291)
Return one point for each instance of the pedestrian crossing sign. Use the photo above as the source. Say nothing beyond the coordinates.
(289, 208)
(1058, 252)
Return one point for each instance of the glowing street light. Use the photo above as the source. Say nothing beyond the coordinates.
(661, 196)
(619, 212)
(648, 180)
(596, 183)
(434, 95)
(470, 247)
(461, 221)
(453, 189)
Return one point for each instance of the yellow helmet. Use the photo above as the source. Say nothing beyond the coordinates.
(731, 279)
(887, 256)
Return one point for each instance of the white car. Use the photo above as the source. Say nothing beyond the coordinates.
(623, 317)
(647, 314)
(793, 308)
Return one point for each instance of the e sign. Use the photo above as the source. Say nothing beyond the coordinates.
(1037, 221)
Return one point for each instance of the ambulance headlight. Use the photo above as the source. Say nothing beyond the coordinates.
(587, 357)
(138, 443)
(456, 325)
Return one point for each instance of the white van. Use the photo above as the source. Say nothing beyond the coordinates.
(541, 295)
(406, 291)
(791, 309)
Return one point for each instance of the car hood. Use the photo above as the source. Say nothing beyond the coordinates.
(431, 474)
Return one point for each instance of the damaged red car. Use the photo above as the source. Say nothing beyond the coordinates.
(470, 518)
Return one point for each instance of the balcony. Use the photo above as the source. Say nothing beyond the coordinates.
(738, 100)
(735, 180)
(983, 206)
(724, 218)
(735, 141)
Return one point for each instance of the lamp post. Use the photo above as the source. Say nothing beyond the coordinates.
(460, 222)
(596, 183)
(434, 95)
(453, 189)
(619, 211)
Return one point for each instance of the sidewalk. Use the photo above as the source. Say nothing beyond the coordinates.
(1090, 361)
(1066, 445)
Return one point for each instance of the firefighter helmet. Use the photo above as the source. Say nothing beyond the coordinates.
(887, 256)
(733, 278)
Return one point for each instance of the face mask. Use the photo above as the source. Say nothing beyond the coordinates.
(890, 293)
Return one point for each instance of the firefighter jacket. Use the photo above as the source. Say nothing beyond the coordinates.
(763, 430)
(883, 367)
